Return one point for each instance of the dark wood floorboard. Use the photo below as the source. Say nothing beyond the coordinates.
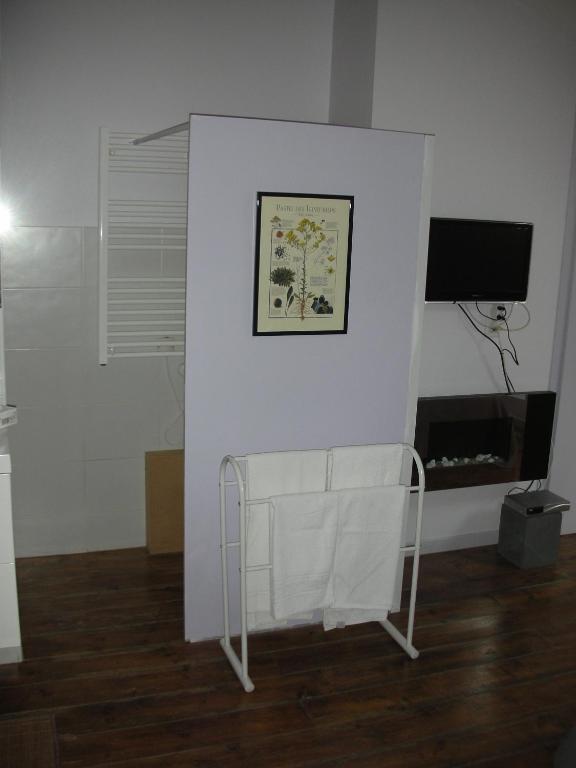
(495, 684)
(28, 743)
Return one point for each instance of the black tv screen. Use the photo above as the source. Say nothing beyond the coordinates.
(473, 260)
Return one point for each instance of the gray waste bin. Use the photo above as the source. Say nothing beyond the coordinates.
(530, 524)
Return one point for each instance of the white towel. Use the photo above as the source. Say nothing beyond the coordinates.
(367, 554)
(303, 545)
(258, 592)
(338, 619)
(259, 606)
(270, 474)
(275, 474)
(312, 583)
(364, 466)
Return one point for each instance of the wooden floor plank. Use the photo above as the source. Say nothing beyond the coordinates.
(105, 660)
(36, 620)
(102, 640)
(277, 738)
(320, 697)
(535, 756)
(93, 694)
(510, 742)
(29, 743)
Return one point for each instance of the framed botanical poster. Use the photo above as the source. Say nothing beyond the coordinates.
(302, 276)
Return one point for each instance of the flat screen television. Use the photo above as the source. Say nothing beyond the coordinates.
(474, 260)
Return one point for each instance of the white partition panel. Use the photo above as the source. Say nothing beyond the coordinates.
(245, 393)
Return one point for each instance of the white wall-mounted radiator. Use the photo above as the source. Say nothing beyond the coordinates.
(142, 245)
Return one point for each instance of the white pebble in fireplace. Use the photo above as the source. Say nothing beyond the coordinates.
(462, 461)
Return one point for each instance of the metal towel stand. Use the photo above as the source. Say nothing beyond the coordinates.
(240, 664)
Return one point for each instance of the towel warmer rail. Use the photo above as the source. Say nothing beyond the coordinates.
(142, 224)
(240, 663)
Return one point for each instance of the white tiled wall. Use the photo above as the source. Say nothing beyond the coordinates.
(78, 449)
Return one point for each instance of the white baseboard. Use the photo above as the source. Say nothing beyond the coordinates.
(11, 655)
(463, 541)
(469, 540)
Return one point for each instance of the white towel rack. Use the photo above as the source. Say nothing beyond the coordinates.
(240, 663)
(142, 245)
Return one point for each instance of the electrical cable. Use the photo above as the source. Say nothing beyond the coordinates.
(507, 381)
(493, 320)
(518, 488)
(515, 356)
(501, 317)
(489, 317)
(528, 318)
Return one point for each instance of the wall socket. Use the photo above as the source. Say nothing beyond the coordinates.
(498, 309)
(496, 325)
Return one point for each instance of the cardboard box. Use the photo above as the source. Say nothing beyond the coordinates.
(165, 501)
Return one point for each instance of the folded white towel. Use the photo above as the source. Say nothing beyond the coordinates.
(258, 591)
(367, 554)
(275, 474)
(303, 544)
(270, 474)
(258, 599)
(352, 580)
(363, 466)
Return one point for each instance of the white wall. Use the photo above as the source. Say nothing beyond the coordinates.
(492, 78)
(562, 475)
(353, 50)
(72, 66)
(67, 68)
(78, 448)
(248, 394)
(494, 81)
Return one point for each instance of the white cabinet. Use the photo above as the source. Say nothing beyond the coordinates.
(10, 650)
(10, 642)
(6, 535)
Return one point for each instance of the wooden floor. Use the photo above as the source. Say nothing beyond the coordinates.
(495, 685)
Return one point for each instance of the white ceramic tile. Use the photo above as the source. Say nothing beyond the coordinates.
(48, 506)
(90, 317)
(90, 252)
(43, 257)
(47, 434)
(170, 425)
(46, 488)
(116, 485)
(124, 379)
(45, 536)
(123, 430)
(110, 529)
(115, 502)
(41, 318)
(46, 376)
(173, 379)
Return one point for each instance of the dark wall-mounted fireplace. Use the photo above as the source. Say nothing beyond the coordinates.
(471, 440)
